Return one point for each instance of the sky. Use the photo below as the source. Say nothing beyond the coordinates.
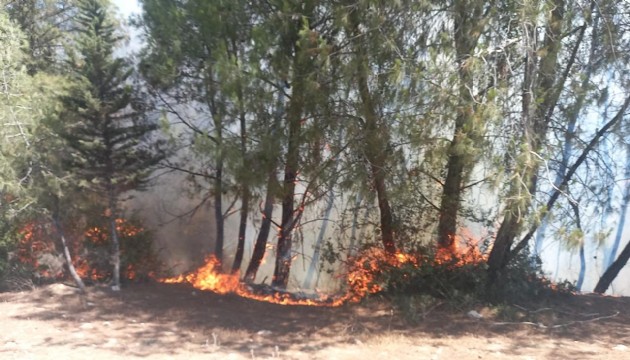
(127, 7)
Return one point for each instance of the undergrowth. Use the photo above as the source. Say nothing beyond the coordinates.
(417, 288)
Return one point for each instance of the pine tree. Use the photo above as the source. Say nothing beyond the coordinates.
(103, 121)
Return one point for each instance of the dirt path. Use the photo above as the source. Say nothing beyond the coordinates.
(153, 321)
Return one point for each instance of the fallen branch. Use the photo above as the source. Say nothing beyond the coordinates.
(543, 326)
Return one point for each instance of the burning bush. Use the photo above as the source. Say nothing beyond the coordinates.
(37, 254)
(139, 260)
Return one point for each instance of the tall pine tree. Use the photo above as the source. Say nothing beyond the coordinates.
(103, 119)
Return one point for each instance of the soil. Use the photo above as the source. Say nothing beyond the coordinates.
(159, 321)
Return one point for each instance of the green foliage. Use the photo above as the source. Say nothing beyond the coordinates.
(523, 279)
(46, 24)
(416, 288)
(103, 120)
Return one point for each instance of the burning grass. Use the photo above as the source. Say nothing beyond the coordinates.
(368, 273)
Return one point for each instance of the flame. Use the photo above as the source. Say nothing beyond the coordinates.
(209, 277)
(36, 239)
(464, 250)
(360, 280)
(361, 273)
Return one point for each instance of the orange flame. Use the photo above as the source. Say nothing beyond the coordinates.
(464, 250)
(36, 239)
(360, 280)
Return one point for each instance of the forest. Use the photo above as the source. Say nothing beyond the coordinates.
(455, 148)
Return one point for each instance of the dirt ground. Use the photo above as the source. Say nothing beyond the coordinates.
(157, 321)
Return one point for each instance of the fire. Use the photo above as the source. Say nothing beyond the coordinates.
(38, 239)
(209, 277)
(360, 280)
(465, 250)
(361, 276)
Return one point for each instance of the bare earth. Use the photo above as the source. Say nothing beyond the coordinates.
(155, 321)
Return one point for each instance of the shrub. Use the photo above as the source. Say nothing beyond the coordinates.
(139, 260)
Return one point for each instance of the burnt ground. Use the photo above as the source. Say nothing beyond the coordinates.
(157, 321)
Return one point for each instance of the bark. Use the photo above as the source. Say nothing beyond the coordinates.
(355, 220)
(115, 255)
(242, 231)
(578, 224)
(536, 122)
(68, 257)
(468, 20)
(218, 211)
(611, 273)
(245, 193)
(320, 239)
(285, 240)
(261, 241)
(375, 149)
(301, 66)
(263, 235)
(217, 119)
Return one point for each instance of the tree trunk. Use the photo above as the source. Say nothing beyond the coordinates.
(301, 66)
(376, 138)
(355, 219)
(320, 238)
(261, 241)
(536, 119)
(468, 16)
(218, 210)
(115, 241)
(580, 281)
(68, 257)
(245, 194)
(115, 255)
(242, 230)
(611, 273)
(294, 119)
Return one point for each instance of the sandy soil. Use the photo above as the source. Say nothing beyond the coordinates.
(155, 321)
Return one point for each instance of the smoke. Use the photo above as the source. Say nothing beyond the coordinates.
(182, 228)
(184, 232)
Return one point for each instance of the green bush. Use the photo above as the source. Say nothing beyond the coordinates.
(415, 286)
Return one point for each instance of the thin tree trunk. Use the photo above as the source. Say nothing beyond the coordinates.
(320, 238)
(468, 29)
(355, 220)
(245, 193)
(66, 254)
(578, 224)
(218, 211)
(376, 139)
(115, 240)
(260, 245)
(302, 64)
(217, 119)
(285, 240)
(536, 125)
(115, 255)
(242, 231)
(622, 216)
(582, 274)
(611, 273)
(261, 241)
